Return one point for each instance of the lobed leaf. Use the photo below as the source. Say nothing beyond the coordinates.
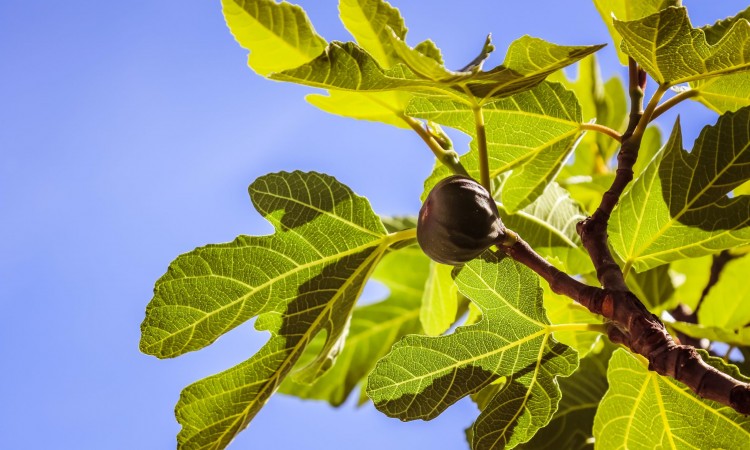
(525, 403)
(628, 11)
(302, 280)
(346, 66)
(667, 46)
(279, 36)
(212, 289)
(645, 410)
(372, 23)
(678, 208)
(531, 133)
(422, 375)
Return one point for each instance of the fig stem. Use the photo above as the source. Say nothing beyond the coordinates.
(449, 158)
(484, 168)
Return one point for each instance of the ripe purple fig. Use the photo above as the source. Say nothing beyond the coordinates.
(458, 221)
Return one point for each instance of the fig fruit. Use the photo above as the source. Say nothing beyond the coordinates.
(458, 221)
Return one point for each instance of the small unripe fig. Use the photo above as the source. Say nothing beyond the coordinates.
(458, 221)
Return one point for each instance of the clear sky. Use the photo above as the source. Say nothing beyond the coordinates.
(129, 132)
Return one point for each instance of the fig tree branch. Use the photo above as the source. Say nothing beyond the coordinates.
(631, 323)
(593, 230)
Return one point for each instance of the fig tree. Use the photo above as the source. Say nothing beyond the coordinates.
(458, 221)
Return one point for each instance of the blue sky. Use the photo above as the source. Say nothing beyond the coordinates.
(129, 132)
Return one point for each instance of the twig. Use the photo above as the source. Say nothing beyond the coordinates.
(635, 327)
(602, 129)
(673, 101)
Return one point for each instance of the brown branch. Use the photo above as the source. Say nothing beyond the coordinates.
(593, 230)
(631, 323)
(635, 327)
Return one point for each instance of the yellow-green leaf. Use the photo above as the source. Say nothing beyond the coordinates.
(678, 208)
(627, 10)
(727, 93)
(532, 133)
(667, 46)
(279, 36)
(372, 22)
(423, 375)
(644, 410)
(727, 304)
(301, 281)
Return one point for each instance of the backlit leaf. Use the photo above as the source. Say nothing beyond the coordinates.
(549, 225)
(302, 280)
(603, 103)
(348, 67)
(279, 36)
(627, 11)
(532, 133)
(384, 107)
(372, 22)
(525, 403)
(679, 208)
(738, 337)
(643, 410)
(667, 46)
(728, 93)
(422, 375)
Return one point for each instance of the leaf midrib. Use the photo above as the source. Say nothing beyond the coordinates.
(258, 288)
(296, 350)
